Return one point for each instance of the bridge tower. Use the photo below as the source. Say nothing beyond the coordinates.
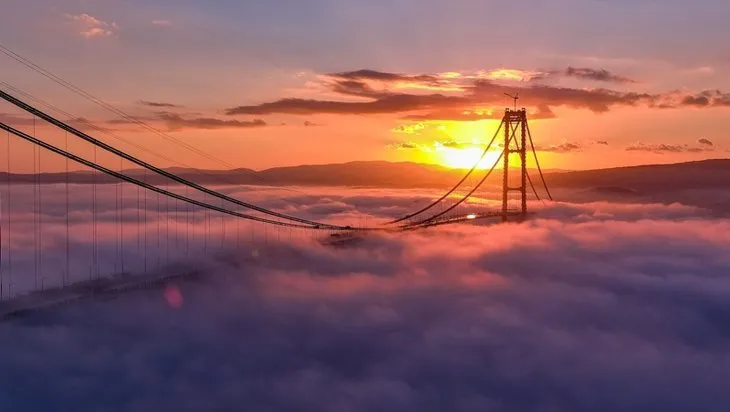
(515, 149)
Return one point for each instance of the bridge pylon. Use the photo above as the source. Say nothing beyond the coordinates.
(515, 149)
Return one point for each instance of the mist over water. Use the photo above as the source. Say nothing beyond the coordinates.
(598, 306)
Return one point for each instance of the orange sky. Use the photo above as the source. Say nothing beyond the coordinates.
(258, 98)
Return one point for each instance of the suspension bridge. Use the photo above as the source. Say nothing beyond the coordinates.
(157, 214)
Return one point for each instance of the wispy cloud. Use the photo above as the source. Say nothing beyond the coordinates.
(411, 128)
(601, 75)
(404, 146)
(90, 27)
(565, 147)
(15, 120)
(707, 98)
(510, 74)
(159, 104)
(368, 74)
(668, 148)
(177, 122)
(705, 142)
(162, 23)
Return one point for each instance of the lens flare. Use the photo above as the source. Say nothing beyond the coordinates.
(173, 296)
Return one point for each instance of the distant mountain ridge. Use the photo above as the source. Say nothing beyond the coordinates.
(701, 174)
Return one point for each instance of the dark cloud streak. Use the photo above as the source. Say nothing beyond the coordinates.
(392, 103)
(601, 75)
(705, 142)
(707, 98)
(177, 122)
(159, 104)
(367, 74)
(565, 147)
(667, 148)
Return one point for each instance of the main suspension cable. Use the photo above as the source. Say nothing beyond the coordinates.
(458, 184)
(33, 66)
(134, 181)
(108, 132)
(537, 163)
(468, 195)
(142, 163)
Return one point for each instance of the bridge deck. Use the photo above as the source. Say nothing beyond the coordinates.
(467, 218)
(40, 300)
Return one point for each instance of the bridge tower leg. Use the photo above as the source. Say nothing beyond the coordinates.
(515, 121)
(505, 171)
(523, 164)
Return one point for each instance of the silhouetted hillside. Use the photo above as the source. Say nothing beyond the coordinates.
(627, 180)
(704, 174)
(371, 174)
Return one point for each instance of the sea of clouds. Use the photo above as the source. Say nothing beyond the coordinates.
(591, 306)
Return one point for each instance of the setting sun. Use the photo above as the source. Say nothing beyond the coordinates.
(465, 158)
(465, 146)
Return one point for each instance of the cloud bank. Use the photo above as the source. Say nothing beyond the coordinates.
(466, 96)
(597, 306)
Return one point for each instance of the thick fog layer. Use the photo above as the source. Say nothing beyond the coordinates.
(587, 307)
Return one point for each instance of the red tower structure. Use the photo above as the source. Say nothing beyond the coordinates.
(515, 148)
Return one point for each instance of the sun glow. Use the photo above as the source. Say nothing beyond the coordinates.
(468, 140)
(465, 158)
(455, 144)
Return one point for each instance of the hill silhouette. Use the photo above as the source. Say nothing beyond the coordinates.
(707, 174)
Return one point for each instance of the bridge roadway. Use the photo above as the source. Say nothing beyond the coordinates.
(350, 238)
(54, 297)
(445, 220)
(109, 286)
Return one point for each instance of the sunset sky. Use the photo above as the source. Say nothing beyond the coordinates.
(286, 82)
